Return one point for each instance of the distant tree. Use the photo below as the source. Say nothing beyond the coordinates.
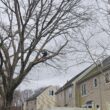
(27, 28)
(25, 94)
(92, 44)
(19, 97)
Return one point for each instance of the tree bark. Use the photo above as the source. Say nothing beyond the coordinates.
(7, 102)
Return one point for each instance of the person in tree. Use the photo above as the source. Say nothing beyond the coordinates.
(44, 53)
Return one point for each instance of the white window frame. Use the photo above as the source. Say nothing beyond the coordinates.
(51, 93)
(84, 86)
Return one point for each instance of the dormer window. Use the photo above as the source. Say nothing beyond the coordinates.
(51, 92)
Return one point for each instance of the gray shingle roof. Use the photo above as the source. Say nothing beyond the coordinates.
(106, 61)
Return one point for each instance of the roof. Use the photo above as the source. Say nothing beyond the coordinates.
(37, 93)
(69, 83)
(104, 65)
(106, 61)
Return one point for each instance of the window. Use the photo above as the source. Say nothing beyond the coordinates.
(51, 92)
(70, 92)
(95, 82)
(107, 77)
(83, 89)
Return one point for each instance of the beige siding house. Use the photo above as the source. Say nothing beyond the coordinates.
(94, 88)
(43, 98)
(64, 96)
(90, 88)
(60, 99)
(67, 95)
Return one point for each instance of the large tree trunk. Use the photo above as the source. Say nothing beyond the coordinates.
(7, 102)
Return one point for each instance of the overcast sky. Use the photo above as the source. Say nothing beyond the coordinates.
(42, 75)
(48, 76)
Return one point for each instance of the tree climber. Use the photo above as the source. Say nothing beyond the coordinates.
(44, 53)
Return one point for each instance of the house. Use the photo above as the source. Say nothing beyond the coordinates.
(93, 90)
(67, 94)
(42, 99)
(64, 95)
(90, 88)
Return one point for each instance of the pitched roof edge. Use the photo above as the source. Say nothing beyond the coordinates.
(75, 77)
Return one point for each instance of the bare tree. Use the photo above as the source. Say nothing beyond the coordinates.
(92, 43)
(28, 29)
(20, 96)
(97, 42)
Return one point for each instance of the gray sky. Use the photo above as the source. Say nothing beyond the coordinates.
(44, 76)
(48, 76)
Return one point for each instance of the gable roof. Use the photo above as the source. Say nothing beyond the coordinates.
(106, 61)
(98, 69)
(37, 93)
(69, 83)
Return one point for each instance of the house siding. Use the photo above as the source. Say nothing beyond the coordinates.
(43, 101)
(31, 105)
(69, 96)
(62, 96)
(66, 97)
(100, 95)
(60, 99)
